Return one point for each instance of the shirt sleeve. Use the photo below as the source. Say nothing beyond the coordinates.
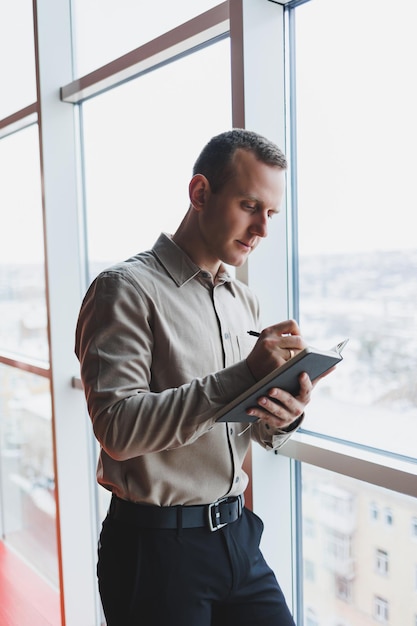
(114, 342)
(273, 439)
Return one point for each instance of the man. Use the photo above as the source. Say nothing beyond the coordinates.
(163, 344)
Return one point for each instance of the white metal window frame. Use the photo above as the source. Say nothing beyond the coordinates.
(259, 101)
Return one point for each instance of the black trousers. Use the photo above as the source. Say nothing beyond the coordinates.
(188, 577)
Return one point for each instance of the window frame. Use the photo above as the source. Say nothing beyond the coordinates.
(381, 610)
(382, 562)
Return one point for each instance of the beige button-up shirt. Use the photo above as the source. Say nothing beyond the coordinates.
(161, 350)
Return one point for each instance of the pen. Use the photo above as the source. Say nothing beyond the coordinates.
(254, 333)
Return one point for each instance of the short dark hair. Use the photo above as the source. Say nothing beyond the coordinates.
(215, 159)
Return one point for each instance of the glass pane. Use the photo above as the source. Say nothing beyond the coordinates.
(357, 132)
(105, 30)
(141, 141)
(359, 552)
(22, 280)
(27, 472)
(17, 54)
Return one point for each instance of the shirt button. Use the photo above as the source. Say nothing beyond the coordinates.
(227, 335)
(237, 479)
(231, 431)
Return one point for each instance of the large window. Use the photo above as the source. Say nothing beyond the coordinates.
(27, 469)
(356, 136)
(355, 131)
(120, 27)
(23, 329)
(357, 567)
(17, 69)
(139, 144)
(27, 475)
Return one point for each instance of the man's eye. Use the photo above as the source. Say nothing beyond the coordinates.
(250, 207)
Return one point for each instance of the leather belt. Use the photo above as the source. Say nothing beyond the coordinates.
(213, 516)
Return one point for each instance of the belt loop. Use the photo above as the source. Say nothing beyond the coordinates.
(240, 504)
(179, 521)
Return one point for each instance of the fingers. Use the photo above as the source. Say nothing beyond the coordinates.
(306, 387)
(279, 408)
(287, 327)
(276, 345)
(284, 337)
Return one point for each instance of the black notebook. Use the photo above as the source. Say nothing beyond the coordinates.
(311, 360)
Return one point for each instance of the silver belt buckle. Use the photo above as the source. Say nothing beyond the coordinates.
(214, 508)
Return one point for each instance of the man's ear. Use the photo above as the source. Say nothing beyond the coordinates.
(198, 190)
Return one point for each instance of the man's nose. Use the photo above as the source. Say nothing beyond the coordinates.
(259, 226)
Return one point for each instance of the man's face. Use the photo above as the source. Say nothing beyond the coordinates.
(235, 219)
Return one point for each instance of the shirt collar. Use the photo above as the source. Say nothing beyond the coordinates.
(179, 265)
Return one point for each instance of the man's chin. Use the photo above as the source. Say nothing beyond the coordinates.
(242, 259)
(235, 262)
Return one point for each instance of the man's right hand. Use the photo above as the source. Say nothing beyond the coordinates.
(276, 345)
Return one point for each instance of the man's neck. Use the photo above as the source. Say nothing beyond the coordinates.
(187, 238)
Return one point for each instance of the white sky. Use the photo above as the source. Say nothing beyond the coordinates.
(357, 125)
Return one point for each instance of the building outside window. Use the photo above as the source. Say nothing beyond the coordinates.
(388, 517)
(343, 588)
(382, 562)
(374, 511)
(381, 609)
